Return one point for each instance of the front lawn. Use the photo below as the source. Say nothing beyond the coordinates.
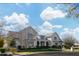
(42, 49)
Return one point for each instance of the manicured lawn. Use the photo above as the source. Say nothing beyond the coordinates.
(36, 51)
(42, 49)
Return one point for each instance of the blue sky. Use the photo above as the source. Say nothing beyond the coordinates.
(31, 14)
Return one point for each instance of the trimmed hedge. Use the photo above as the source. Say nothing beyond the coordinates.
(54, 46)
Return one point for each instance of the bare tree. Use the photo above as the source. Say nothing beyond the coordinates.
(69, 41)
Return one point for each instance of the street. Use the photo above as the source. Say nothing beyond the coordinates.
(56, 54)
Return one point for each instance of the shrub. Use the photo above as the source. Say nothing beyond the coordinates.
(2, 50)
(54, 46)
(19, 47)
(12, 43)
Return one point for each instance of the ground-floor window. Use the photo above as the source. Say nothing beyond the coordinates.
(42, 43)
(47, 44)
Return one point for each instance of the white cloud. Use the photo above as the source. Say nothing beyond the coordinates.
(47, 27)
(44, 31)
(1, 23)
(68, 31)
(57, 26)
(49, 13)
(76, 29)
(17, 21)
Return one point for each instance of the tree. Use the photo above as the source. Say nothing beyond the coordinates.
(73, 9)
(7, 42)
(12, 43)
(1, 36)
(1, 42)
(69, 41)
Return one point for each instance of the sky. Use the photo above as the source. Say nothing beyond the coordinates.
(44, 17)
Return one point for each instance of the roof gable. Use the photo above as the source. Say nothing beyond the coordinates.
(28, 28)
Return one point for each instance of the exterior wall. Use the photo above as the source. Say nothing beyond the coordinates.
(55, 39)
(42, 41)
(23, 39)
(51, 39)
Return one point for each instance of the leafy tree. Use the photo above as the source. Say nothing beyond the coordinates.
(1, 41)
(9, 40)
(12, 43)
(73, 9)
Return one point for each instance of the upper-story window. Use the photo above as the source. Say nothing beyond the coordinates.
(49, 38)
(30, 36)
(55, 38)
(42, 37)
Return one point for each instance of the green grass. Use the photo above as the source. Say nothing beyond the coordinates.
(42, 49)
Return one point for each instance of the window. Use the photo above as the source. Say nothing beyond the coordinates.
(30, 36)
(42, 37)
(42, 43)
(55, 37)
(48, 38)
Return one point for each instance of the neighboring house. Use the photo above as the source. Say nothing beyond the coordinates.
(76, 45)
(49, 40)
(29, 38)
